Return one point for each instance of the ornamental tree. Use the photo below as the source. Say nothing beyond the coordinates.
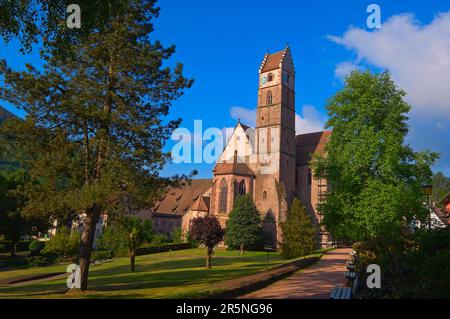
(133, 232)
(243, 227)
(208, 232)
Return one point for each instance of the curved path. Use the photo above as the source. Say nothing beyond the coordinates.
(314, 282)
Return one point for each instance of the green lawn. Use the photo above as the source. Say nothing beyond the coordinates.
(174, 274)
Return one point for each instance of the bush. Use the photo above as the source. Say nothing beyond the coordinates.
(21, 246)
(35, 247)
(37, 261)
(2, 248)
(112, 241)
(159, 239)
(152, 249)
(100, 255)
(64, 244)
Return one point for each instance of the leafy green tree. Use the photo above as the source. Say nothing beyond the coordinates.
(375, 178)
(243, 227)
(96, 126)
(441, 187)
(177, 235)
(112, 240)
(208, 232)
(64, 244)
(33, 21)
(136, 233)
(13, 223)
(298, 232)
(127, 232)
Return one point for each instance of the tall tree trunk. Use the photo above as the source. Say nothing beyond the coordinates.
(132, 260)
(87, 240)
(242, 249)
(208, 258)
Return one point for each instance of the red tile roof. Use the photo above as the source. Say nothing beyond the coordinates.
(178, 201)
(311, 143)
(239, 169)
(201, 204)
(272, 61)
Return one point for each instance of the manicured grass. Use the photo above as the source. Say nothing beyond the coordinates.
(174, 274)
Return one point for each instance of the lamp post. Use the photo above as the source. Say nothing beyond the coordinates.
(428, 190)
(268, 249)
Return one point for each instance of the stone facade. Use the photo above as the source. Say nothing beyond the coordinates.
(269, 162)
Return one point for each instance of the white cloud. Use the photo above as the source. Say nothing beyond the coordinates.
(310, 120)
(344, 68)
(418, 57)
(247, 116)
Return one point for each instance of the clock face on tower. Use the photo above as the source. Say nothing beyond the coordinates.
(263, 80)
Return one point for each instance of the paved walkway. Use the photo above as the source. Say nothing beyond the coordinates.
(313, 282)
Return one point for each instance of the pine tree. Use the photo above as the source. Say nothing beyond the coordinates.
(243, 227)
(298, 232)
(95, 124)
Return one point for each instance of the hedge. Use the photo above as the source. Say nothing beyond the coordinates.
(20, 246)
(152, 249)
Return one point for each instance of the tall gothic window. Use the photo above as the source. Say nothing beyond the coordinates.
(269, 98)
(223, 196)
(241, 189)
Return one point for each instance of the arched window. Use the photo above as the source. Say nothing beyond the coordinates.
(264, 194)
(223, 196)
(269, 98)
(270, 77)
(242, 190)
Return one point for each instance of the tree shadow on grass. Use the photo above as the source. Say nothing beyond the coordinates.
(159, 266)
(168, 279)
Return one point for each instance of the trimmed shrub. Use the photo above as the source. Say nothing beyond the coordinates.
(37, 261)
(152, 249)
(2, 248)
(35, 247)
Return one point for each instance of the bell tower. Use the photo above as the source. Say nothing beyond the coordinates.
(275, 119)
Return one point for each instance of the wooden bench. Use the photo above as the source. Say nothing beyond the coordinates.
(350, 265)
(341, 293)
(351, 275)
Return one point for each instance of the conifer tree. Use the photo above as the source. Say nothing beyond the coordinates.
(95, 126)
(243, 227)
(298, 232)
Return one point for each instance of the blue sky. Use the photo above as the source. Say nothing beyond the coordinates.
(222, 43)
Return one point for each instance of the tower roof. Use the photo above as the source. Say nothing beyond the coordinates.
(275, 60)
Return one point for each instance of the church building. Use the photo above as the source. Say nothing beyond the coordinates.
(269, 162)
